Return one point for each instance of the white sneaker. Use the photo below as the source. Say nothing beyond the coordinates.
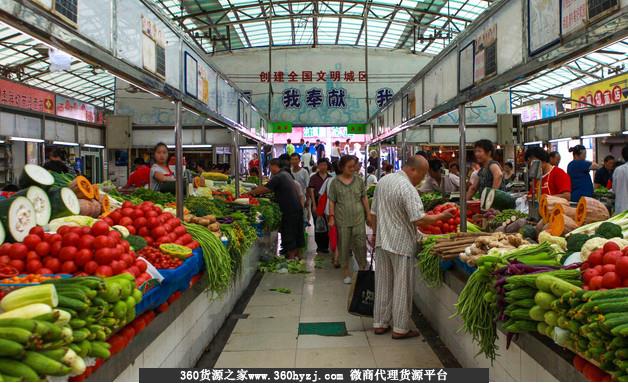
(347, 281)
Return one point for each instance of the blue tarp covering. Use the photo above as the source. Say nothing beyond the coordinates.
(174, 280)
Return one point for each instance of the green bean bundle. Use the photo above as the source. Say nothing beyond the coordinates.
(429, 264)
(217, 259)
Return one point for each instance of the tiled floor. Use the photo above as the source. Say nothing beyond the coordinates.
(268, 337)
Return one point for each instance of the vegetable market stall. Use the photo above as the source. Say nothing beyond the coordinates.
(91, 277)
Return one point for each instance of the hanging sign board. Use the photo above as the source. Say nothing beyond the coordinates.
(153, 47)
(26, 97)
(610, 91)
(543, 24)
(356, 129)
(573, 15)
(191, 75)
(67, 107)
(280, 127)
(485, 60)
(203, 83)
(465, 65)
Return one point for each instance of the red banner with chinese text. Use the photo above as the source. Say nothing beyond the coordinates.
(25, 97)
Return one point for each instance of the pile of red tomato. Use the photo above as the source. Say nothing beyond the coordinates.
(159, 259)
(443, 226)
(150, 222)
(606, 268)
(95, 250)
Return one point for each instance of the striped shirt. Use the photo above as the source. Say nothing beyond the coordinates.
(349, 210)
(397, 205)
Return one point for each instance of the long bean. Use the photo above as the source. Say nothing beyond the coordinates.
(217, 259)
(429, 264)
(476, 313)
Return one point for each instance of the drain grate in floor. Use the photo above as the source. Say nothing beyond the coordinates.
(323, 329)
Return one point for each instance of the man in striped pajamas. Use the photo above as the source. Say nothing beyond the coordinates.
(398, 211)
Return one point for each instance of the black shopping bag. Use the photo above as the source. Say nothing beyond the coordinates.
(362, 293)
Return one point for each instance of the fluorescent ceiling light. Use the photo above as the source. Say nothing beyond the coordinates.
(195, 146)
(597, 135)
(93, 146)
(25, 139)
(248, 147)
(561, 139)
(65, 143)
(191, 111)
(533, 143)
(1, 141)
(626, 132)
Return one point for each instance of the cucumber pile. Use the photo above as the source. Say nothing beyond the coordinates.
(35, 340)
(598, 323)
(99, 307)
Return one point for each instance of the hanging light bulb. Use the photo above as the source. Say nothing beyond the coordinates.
(499, 147)
(440, 151)
(453, 155)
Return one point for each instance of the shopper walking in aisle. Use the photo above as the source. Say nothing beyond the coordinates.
(554, 181)
(314, 193)
(433, 182)
(289, 147)
(287, 195)
(302, 176)
(335, 152)
(620, 184)
(320, 149)
(306, 158)
(397, 213)
(349, 211)
(373, 159)
(346, 150)
(300, 147)
(371, 179)
(554, 158)
(579, 171)
(267, 155)
(604, 175)
(160, 172)
(451, 182)
(490, 174)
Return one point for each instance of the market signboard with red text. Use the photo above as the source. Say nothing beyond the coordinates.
(606, 92)
(26, 97)
(68, 107)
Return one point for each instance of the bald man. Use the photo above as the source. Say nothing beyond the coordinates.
(398, 212)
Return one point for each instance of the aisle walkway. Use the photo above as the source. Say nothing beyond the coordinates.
(268, 335)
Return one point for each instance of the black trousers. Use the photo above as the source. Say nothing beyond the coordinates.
(322, 239)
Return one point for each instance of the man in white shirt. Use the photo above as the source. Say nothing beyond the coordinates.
(398, 212)
(306, 159)
(620, 184)
(347, 148)
(434, 179)
(451, 183)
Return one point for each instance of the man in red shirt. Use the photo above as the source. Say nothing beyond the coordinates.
(141, 176)
(555, 181)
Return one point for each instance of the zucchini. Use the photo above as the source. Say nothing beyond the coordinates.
(80, 335)
(100, 350)
(550, 318)
(77, 323)
(45, 365)
(52, 331)
(64, 203)
(609, 324)
(16, 334)
(612, 307)
(56, 354)
(73, 304)
(41, 202)
(18, 217)
(553, 285)
(14, 368)
(25, 296)
(35, 175)
(604, 294)
(537, 313)
(544, 300)
(11, 348)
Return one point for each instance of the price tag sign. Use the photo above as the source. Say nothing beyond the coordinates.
(280, 127)
(356, 128)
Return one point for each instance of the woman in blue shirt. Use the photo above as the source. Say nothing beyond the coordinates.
(579, 171)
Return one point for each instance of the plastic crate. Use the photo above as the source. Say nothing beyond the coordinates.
(464, 267)
(446, 264)
(174, 280)
(6, 288)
